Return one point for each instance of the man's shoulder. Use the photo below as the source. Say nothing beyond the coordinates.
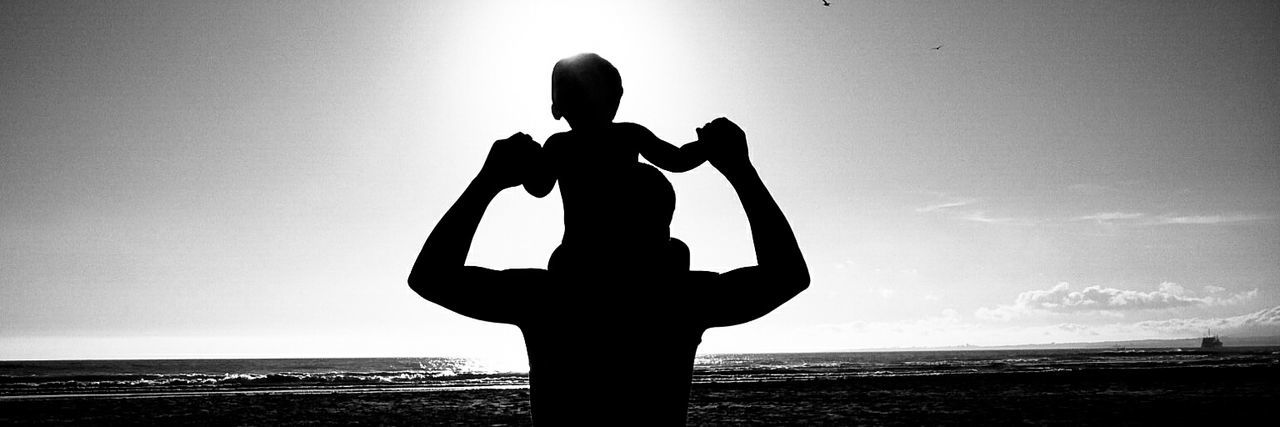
(532, 276)
(665, 276)
(697, 276)
(629, 126)
(558, 138)
(525, 275)
(526, 270)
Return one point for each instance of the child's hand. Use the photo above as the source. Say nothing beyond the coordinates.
(507, 165)
(726, 145)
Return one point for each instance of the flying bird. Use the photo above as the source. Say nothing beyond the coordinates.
(937, 48)
(826, 3)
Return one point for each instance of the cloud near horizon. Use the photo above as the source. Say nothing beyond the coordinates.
(1141, 219)
(949, 329)
(941, 206)
(964, 210)
(1208, 219)
(1061, 299)
(1108, 216)
(1262, 322)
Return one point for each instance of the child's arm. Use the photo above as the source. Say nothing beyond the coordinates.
(665, 155)
(542, 171)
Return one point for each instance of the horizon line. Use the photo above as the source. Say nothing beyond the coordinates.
(1274, 341)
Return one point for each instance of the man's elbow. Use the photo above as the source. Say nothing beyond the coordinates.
(794, 277)
(799, 281)
(792, 281)
(418, 284)
(427, 287)
(440, 284)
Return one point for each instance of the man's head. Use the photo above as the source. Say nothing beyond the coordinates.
(635, 217)
(647, 203)
(643, 204)
(649, 214)
(585, 90)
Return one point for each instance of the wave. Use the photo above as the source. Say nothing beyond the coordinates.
(19, 379)
(113, 383)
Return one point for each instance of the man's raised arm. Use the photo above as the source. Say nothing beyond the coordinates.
(440, 274)
(780, 272)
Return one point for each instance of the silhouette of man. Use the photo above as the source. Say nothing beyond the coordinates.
(615, 340)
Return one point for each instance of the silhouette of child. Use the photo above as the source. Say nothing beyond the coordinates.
(590, 159)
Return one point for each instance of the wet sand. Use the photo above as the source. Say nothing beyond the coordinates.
(1180, 396)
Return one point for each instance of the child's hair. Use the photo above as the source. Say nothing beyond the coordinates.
(585, 88)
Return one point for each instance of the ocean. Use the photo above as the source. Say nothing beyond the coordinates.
(445, 389)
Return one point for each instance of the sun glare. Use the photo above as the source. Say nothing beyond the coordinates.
(519, 42)
(562, 28)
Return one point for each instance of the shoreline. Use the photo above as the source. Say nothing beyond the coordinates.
(1095, 397)
(276, 391)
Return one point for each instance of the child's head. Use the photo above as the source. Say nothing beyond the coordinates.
(585, 90)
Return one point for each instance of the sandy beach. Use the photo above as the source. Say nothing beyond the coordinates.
(1121, 397)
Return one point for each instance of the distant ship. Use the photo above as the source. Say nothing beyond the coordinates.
(1210, 341)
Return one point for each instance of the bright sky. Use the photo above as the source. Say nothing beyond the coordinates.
(254, 179)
